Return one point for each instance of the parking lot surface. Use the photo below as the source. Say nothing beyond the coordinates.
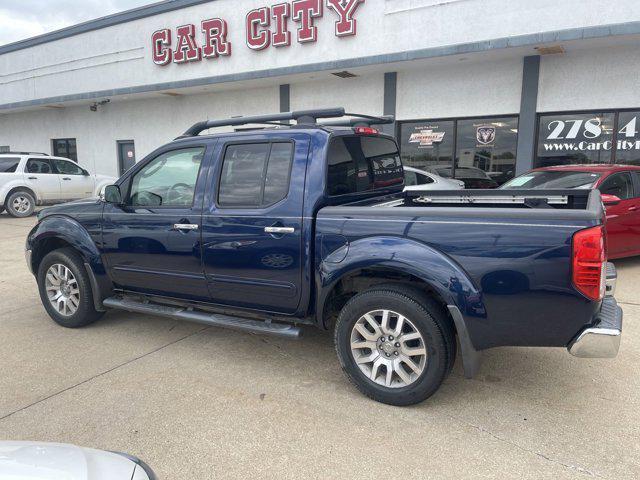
(197, 402)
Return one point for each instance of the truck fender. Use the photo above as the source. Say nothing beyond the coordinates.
(462, 298)
(55, 231)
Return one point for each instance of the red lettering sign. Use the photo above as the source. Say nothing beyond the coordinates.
(265, 26)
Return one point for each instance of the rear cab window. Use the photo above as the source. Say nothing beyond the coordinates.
(9, 164)
(359, 164)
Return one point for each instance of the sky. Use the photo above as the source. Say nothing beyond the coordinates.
(20, 19)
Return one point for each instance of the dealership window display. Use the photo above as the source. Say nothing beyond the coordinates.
(484, 148)
(586, 138)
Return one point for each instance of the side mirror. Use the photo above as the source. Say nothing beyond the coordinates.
(610, 199)
(112, 194)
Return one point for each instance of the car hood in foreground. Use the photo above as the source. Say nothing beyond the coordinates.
(55, 461)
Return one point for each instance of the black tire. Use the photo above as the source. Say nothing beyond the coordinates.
(25, 199)
(429, 320)
(86, 312)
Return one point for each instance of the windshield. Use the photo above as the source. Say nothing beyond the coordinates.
(553, 180)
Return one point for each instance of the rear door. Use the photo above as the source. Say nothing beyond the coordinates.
(42, 179)
(75, 183)
(252, 229)
(621, 218)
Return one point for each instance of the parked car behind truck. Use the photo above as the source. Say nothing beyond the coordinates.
(265, 231)
(620, 189)
(31, 179)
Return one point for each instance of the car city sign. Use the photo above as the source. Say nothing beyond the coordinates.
(264, 27)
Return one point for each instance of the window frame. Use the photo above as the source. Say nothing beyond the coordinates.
(67, 141)
(47, 160)
(364, 192)
(128, 179)
(634, 194)
(270, 142)
(455, 120)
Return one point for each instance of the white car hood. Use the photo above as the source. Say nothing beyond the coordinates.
(56, 461)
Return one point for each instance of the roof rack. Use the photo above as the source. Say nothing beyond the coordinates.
(24, 153)
(302, 117)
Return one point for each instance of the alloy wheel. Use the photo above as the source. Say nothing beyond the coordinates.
(388, 348)
(62, 289)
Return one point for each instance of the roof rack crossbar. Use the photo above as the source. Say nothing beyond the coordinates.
(302, 117)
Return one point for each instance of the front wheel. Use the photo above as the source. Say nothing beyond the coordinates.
(394, 344)
(65, 289)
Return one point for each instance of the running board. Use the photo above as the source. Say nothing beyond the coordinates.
(213, 319)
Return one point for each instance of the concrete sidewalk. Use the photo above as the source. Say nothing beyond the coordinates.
(202, 403)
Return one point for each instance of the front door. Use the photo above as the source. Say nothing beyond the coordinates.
(152, 242)
(75, 183)
(126, 155)
(42, 179)
(622, 229)
(252, 230)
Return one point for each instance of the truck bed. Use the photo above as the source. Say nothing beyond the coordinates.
(514, 247)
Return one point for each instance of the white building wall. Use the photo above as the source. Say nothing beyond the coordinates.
(150, 123)
(590, 79)
(462, 89)
(120, 56)
(357, 95)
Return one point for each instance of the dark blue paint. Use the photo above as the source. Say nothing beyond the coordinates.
(508, 273)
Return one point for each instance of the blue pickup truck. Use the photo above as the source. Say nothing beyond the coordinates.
(266, 230)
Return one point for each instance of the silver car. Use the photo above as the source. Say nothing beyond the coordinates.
(57, 461)
(416, 179)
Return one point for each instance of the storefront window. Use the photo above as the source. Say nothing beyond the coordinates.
(427, 145)
(575, 138)
(486, 150)
(628, 144)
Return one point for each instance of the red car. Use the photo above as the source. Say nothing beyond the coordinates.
(620, 189)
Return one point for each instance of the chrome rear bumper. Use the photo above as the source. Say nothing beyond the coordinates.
(603, 339)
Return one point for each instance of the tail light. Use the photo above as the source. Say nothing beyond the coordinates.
(366, 131)
(590, 262)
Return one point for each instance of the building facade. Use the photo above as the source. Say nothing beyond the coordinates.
(480, 88)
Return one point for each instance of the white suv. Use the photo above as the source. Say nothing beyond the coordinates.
(30, 179)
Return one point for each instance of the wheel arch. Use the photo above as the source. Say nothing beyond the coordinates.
(20, 188)
(379, 261)
(57, 232)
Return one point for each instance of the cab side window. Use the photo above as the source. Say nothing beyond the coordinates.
(39, 166)
(255, 175)
(618, 184)
(169, 180)
(67, 168)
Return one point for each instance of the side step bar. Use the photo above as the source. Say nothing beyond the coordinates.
(213, 319)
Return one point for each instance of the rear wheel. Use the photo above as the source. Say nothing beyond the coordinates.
(65, 289)
(394, 344)
(20, 204)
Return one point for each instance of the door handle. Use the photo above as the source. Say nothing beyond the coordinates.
(185, 226)
(279, 230)
(66, 178)
(633, 209)
(32, 178)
